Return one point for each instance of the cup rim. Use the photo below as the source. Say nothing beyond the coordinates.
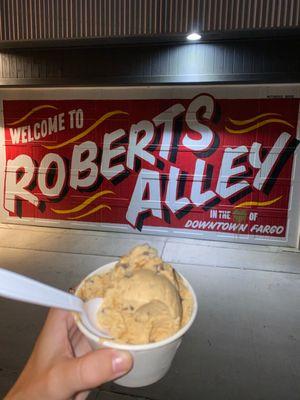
(135, 347)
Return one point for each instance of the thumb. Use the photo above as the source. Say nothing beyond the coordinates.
(91, 370)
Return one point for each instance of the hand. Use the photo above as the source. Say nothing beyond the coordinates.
(63, 366)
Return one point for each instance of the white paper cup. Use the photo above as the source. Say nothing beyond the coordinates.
(150, 361)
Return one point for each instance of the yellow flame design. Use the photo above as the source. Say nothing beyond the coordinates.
(84, 204)
(87, 131)
(248, 121)
(258, 203)
(258, 125)
(91, 211)
(31, 112)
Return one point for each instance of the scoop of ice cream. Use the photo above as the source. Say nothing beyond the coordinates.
(138, 304)
(145, 300)
(143, 287)
(146, 258)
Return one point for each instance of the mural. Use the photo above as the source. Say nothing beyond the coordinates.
(201, 164)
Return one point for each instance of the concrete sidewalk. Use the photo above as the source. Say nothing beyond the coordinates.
(245, 343)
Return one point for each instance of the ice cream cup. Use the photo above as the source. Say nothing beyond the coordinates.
(150, 361)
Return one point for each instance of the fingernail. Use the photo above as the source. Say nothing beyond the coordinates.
(121, 362)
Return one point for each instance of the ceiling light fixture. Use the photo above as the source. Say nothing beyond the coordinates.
(194, 36)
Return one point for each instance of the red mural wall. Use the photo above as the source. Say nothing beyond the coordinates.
(205, 164)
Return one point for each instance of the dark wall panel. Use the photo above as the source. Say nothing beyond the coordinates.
(236, 62)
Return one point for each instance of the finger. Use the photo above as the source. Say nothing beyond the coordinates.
(73, 334)
(57, 321)
(60, 321)
(90, 371)
(82, 395)
(80, 344)
(73, 331)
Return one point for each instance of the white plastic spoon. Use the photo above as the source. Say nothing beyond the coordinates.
(18, 287)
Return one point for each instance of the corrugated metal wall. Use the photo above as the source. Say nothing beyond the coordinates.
(63, 19)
